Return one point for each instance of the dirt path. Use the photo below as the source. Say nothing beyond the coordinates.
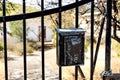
(1, 70)
(51, 69)
(33, 68)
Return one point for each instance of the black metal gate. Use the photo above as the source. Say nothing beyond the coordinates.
(59, 10)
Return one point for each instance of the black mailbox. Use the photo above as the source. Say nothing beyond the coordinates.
(70, 46)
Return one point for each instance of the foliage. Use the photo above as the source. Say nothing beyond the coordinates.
(0, 13)
(118, 4)
(1, 47)
(16, 28)
(87, 43)
(9, 7)
(17, 48)
(116, 47)
(17, 9)
(86, 46)
(38, 46)
(13, 8)
(1, 50)
(118, 54)
(67, 22)
(54, 40)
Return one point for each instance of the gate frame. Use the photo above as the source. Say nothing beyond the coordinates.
(59, 10)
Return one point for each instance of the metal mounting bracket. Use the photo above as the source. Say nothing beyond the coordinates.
(106, 73)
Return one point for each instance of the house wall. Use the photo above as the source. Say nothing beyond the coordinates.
(35, 32)
(49, 34)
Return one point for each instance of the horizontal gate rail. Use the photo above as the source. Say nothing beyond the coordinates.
(41, 13)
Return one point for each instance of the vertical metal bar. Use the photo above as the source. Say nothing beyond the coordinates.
(92, 40)
(42, 42)
(76, 25)
(98, 42)
(76, 15)
(60, 73)
(24, 41)
(76, 72)
(108, 36)
(115, 17)
(81, 72)
(5, 39)
(60, 26)
(60, 14)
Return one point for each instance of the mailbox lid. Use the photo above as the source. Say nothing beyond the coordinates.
(70, 30)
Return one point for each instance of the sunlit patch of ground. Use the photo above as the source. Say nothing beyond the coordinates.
(67, 72)
(1, 69)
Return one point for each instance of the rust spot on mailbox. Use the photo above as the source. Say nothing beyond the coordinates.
(70, 46)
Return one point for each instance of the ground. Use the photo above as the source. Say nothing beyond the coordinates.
(15, 68)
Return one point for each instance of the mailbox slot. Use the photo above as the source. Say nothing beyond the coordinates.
(70, 46)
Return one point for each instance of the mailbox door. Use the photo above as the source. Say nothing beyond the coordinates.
(73, 50)
(70, 49)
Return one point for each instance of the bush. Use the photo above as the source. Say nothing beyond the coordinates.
(54, 40)
(1, 46)
(87, 43)
(16, 29)
(116, 47)
(35, 45)
(29, 50)
(118, 54)
(17, 48)
(1, 50)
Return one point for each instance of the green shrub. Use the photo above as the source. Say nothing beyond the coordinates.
(118, 54)
(1, 46)
(29, 50)
(116, 47)
(87, 43)
(31, 41)
(1, 50)
(54, 40)
(16, 29)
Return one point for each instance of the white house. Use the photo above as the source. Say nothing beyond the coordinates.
(34, 32)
